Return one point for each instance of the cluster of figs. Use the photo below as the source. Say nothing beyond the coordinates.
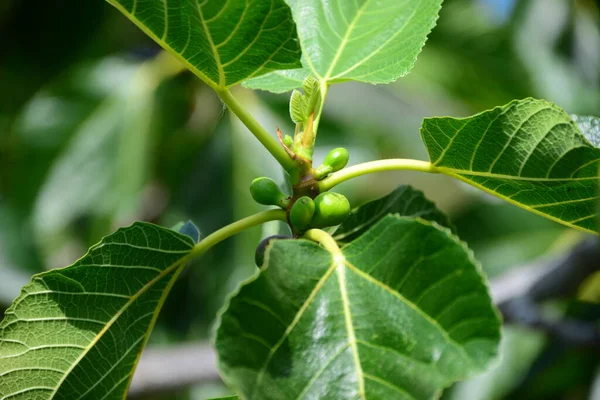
(305, 212)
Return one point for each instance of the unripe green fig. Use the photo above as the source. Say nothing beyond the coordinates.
(330, 209)
(265, 191)
(259, 254)
(335, 160)
(301, 213)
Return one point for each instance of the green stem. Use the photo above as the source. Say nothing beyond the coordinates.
(324, 239)
(236, 227)
(394, 164)
(257, 130)
(324, 89)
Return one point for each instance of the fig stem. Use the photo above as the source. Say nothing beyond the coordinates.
(324, 239)
(257, 130)
(394, 164)
(317, 119)
(234, 228)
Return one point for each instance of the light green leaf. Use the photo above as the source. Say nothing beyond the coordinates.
(366, 40)
(529, 152)
(399, 313)
(223, 42)
(297, 107)
(279, 81)
(405, 201)
(77, 332)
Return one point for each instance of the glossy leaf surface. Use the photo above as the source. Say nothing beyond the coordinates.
(223, 42)
(404, 201)
(529, 152)
(399, 313)
(367, 41)
(77, 332)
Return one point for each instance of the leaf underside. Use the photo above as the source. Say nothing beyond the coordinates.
(529, 152)
(401, 314)
(223, 42)
(366, 40)
(77, 332)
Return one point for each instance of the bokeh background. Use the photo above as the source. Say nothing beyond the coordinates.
(92, 138)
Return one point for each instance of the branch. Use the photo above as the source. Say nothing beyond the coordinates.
(268, 141)
(548, 278)
(519, 293)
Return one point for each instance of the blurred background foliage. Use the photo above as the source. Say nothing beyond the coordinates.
(94, 134)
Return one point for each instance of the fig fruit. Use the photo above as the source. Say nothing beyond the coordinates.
(330, 209)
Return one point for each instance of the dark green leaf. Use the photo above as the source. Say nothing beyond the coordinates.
(223, 42)
(404, 201)
(367, 41)
(78, 332)
(399, 313)
(529, 152)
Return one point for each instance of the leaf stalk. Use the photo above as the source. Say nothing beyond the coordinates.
(394, 164)
(268, 141)
(234, 228)
(325, 239)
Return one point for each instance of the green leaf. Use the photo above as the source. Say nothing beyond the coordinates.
(77, 332)
(366, 40)
(528, 152)
(223, 42)
(404, 200)
(279, 81)
(399, 313)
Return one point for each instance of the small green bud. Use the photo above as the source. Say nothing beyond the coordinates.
(288, 141)
(301, 213)
(335, 160)
(265, 191)
(330, 209)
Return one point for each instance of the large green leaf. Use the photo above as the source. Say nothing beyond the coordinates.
(528, 152)
(223, 42)
(78, 332)
(366, 40)
(399, 313)
(405, 201)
